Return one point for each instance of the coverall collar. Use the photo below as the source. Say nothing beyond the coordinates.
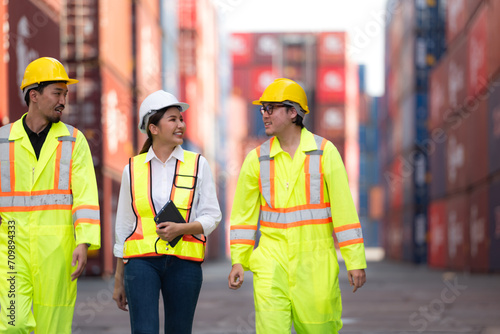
(307, 143)
(56, 130)
(177, 153)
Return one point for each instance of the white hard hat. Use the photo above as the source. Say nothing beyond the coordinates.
(157, 101)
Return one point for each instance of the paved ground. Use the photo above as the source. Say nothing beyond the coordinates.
(398, 298)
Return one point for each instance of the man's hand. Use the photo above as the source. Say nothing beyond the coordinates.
(167, 231)
(80, 256)
(235, 278)
(357, 278)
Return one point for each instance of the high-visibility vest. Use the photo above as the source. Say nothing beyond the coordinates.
(315, 213)
(144, 241)
(36, 192)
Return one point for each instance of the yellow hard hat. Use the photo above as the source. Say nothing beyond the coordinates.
(45, 69)
(284, 90)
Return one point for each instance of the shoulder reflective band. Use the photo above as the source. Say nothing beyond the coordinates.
(267, 172)
(6, 156)
(349, 234)
(313, 172)
(13, 202)
(243, 234)
(64, 153)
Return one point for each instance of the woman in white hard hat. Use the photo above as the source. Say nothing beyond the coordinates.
(149, 260)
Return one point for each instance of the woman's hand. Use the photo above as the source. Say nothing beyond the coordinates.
(119, 294)
(167, 231)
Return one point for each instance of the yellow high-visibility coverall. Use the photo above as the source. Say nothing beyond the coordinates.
(295, 266)
(47, 206)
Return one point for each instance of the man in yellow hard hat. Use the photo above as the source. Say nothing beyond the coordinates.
(295, 185)
(49, 207)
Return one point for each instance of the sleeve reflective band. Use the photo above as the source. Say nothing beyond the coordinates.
(349, 234)
(243, 234)
(86, 214)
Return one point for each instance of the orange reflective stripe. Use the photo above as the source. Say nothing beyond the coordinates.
(295, 224)
(138, 233)
(351, 242)
(87, 221)
(190, 238)
(150, 200)
(35, 208)
(347, 227)
(88, 207)
(242, 241)
(177, 169)
(243, 227)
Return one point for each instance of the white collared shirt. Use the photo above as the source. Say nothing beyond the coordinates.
(205, 208)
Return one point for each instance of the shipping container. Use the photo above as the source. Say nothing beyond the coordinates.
(494, 225)
(261, 77)
(394, 234)
(330, 121)
(477, 49)
(456, 16)
(438, 94)
(493, 9)
(241, 48)
(266, 46)
(436, 149)
(457, 157)
(479, 229)
(331, 84)
(332, 48)
(28, 28)
(458, 226)
(407, 126)
(4, 60)
(494, 128)
(438, 235)
(477, 144)
(187, 14)
(457, 75)
(408, 242)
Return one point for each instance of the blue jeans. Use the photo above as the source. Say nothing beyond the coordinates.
(179, 282)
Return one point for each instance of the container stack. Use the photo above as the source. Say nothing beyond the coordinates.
(415, 40)
(464, 138)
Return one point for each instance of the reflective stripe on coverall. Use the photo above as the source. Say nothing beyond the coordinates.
(295, 265)
(144, 241)
(47, 206)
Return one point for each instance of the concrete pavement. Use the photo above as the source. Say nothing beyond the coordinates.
(398, 298)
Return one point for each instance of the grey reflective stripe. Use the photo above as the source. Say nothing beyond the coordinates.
(36, 200)
(64, 164)
(265, 171)
(315, 179)
(5, 158)
(350, 234)
(86, 214)
(242, 234)
(295, 216)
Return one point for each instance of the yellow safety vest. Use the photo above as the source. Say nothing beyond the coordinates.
(144, 241)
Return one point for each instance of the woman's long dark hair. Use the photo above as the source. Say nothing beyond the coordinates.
(154, 119)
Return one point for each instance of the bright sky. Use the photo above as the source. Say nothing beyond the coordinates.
(363, 19)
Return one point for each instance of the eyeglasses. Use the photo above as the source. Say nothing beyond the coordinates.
(270, 108)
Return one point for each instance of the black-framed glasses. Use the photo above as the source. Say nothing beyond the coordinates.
(270, 108)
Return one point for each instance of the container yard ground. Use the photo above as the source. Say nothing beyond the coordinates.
(398, 298)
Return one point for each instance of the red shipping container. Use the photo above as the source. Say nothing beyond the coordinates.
(477, 163)
(457, 76)
(116, 121)
(261, 77)
(438, 92)
(331, 87)
(494, 222)
(240, 45)
(395, 235)
(115, 49)
(28, 31)
(479, 229)
(457, 157)
(395, 178)
(187, 14)
(265, 47)
(330, 121)
(456, 18)
(493, 11)
(148, 51)
(477, 48)
(332, 48)
(241, 82)
(438, 235)
(340, 146)
(494, 129)
(458, 232)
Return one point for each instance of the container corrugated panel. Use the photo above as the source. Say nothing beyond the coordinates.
(457, 75)
(457, 157)
(331, 84)
(408, 239)
(477, 48)
(330, 121)
(477, 127)
(261, 76)
(241, 48)
(241, 82)
(407, 128)
(116, 121)
(265, 47)
(479, 229)
(438, 235)
(395, 178)
(438, 170)
(493, 8)
(456, 16)
(187, 14)
(438, 94)
(494, 129)
(406, 68)
(115, 50)
(458, 232)
(331, 48)
(494, 228)
(28, 28)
